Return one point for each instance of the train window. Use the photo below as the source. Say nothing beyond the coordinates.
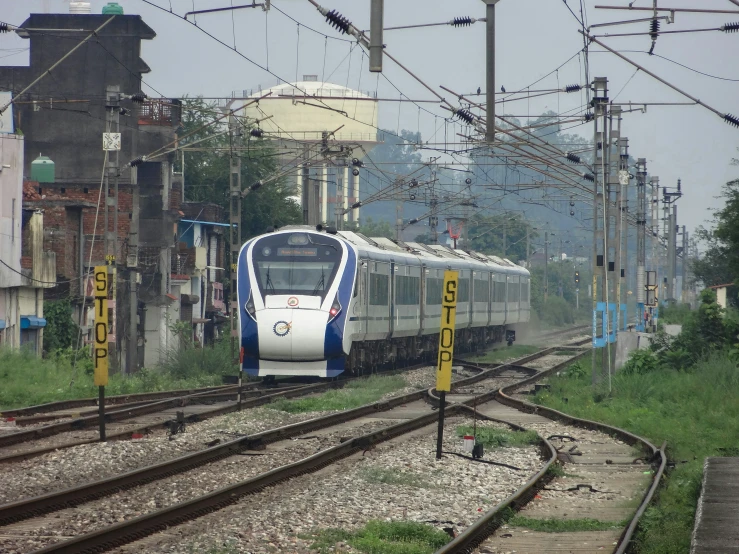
(464, 290)
(524, 289)
(513, 290)
(482, 290)
(356, 284)
(407, 290)
(379, 289)
(433, 291)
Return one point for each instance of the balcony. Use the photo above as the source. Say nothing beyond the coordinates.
(162, 112)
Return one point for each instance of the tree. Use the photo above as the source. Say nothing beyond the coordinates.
(720, 263)
(372, 228)
(485, 234)
(61, 331)
(207, 173)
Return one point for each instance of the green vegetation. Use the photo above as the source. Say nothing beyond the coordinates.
(27, 380)
(354, 394)
(564, 525)
(687, 397)
(60, 331)
(393, 477)
(381, 537)
(500, 438)
(504, 353)
(676, 314)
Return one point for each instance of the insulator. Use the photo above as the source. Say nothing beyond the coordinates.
(356, 205)
(572, 212)
(357, 162)
(589, 177)
(468, 181)
(256, 133)
(465, 116)
(137, 161)
(730, 27)
(255, 186)
(572, 88)
(138, 98)
(589, 116)
(654, 28)
(413, 183)
(124, 111)
(731, 120)
(574, 158)
(412, 196)
(338, 21)
(413, 221)
(572, 203)
(461, 22)
(4, 28)
(355, 172)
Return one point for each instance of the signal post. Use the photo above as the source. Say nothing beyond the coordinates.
(446, 348)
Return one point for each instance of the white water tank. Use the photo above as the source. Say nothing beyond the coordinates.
(80, 7)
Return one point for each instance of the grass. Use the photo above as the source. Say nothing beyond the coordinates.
(382, 537)
(354, 394)
(697, 413)
(564, 525)
(394, 477)
(26, 380)
(500, 438)
(504, 353)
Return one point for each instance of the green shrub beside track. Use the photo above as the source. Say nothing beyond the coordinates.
(383, 537)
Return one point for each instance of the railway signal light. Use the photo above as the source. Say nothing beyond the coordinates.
(577, 277)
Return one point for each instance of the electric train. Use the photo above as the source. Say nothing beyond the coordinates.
(314, 301)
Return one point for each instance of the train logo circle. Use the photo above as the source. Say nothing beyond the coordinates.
(281, 328)
(293, 301)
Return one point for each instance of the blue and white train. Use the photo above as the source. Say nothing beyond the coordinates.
(313, 302)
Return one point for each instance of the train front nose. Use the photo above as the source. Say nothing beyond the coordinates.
(296, 334)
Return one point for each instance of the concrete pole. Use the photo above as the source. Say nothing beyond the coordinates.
(490, 69)
(672, 279)
(546, 265)
(324, 194)
(377, 8)
(305, 191)
(641, 245)
(356, 197)
(528, 251)
(346, 191)
(235, 134)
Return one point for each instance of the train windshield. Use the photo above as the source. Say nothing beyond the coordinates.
(296, 263)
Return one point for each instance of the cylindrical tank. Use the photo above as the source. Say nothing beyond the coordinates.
(112, 8)
(42, 170)
(80, 7)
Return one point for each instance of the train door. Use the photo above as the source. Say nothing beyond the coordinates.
(393, 269)
(364, 296)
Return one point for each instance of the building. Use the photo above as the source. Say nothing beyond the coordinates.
(26, 268)
(316, 112)
(63, 120)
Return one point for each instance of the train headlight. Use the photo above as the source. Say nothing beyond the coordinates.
(335, 309)
(249, 307)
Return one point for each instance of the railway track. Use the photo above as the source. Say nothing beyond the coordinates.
(210, 502)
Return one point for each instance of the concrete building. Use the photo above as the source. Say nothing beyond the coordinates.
(63, 119)
(315, 111)
(26, 269)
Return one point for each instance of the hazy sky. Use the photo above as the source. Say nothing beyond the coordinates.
(533, 38)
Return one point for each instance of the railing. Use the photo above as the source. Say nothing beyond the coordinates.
(293, 92)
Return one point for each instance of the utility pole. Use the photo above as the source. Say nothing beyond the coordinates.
(600, 176)
(377, 8)
(641, 245)
(490, 69)
(671, 232)
(505, 236)
(113, 106)
(234, 135)
(685, 264)
(546, 265)
(305, 196)
(621, 231)
(528, 254)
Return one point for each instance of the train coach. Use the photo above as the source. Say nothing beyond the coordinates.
(320, 302)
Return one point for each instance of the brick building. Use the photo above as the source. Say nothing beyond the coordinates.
(63, 118)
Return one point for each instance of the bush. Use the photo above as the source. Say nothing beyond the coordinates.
(556, 311)
(640, 361)
(186, 361)
(61, 331)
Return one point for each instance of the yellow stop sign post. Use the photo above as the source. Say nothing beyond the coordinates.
(100, 335)
(446, 348)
